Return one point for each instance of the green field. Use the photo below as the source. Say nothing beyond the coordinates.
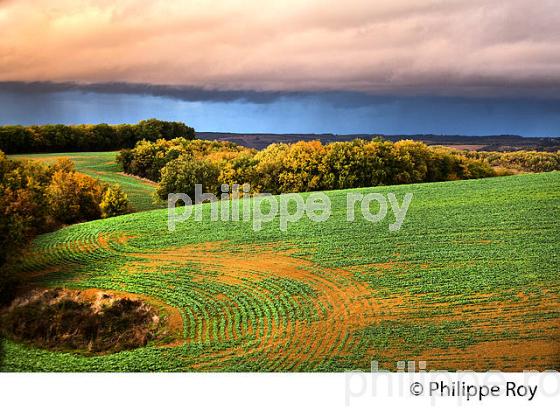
(102, 165)
(471, 281)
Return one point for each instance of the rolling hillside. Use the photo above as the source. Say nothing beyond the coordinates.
(471, 281)
(102, 165)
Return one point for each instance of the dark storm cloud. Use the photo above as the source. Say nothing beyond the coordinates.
(341, 99)
(184, 93)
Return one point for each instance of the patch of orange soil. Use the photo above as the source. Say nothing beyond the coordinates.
(104, 241)
(511, 316)
(521, 343)
(503, 355)
(341, 304)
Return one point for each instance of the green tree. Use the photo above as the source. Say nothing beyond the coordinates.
(180, 176)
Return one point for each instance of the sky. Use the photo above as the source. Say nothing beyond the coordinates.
(473, 67)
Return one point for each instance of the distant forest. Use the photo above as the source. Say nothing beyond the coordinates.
(474, 143)
(18, 139)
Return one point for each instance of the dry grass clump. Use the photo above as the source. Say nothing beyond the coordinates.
(75, 321)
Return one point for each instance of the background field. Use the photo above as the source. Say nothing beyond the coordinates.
(102, 165)
(471, 281)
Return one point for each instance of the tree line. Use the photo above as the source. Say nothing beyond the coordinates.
(18, 139)
(178, 164)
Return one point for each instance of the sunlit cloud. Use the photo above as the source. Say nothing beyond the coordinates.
(456, 47)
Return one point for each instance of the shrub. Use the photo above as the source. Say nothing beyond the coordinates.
(125, 157)
(114, 202)
(269, 167)
(73, 197)
(181, 175)
(149, 158)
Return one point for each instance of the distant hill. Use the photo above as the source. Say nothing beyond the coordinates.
(479, 143)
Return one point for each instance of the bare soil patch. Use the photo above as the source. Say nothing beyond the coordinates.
(342, 304)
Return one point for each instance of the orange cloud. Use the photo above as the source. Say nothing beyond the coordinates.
(462, 46)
